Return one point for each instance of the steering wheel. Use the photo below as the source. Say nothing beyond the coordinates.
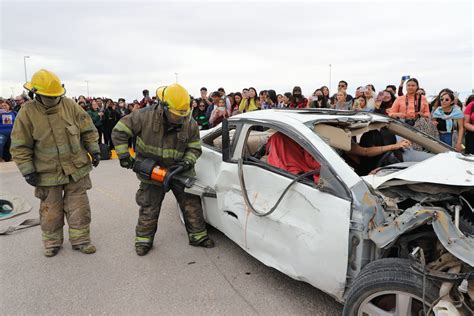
(386, 159)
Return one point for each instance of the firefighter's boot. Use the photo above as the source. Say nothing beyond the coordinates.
(51, 252)
(205, 242)
(85, 248)
(142, 249)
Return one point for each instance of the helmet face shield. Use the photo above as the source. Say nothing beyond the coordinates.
(49, 101)
(174, 119)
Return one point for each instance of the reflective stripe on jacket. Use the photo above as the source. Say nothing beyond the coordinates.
(154, 141)
(54, 142)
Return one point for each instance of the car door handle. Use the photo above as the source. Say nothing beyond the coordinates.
(230, 213)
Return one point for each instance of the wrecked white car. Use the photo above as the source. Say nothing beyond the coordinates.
(381, 243)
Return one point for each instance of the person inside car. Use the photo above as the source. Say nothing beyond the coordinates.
(376, 149)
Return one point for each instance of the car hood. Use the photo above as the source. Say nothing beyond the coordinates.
(449, 168)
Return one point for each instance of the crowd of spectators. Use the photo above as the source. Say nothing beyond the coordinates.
(445, 116)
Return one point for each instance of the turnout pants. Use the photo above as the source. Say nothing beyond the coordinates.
(149, 197)
(68, 200)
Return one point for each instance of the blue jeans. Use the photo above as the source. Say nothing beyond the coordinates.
(446, 138)
(3, 141)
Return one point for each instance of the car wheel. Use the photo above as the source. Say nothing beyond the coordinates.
(389, 287)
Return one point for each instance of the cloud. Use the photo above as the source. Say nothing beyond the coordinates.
(123, 47)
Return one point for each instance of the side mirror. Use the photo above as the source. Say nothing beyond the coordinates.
(225, 141)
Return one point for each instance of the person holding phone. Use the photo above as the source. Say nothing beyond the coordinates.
(402, 82)
(361, 104)
(249, 101)
(219, 113)
(318, 100)
(385, 103)
(205, 97)
(411, 106)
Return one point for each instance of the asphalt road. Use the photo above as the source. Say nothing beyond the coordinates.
(173, 279)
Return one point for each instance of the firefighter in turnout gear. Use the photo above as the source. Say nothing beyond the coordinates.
(167, 134)
(51, 139)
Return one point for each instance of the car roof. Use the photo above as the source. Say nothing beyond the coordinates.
(309, 115)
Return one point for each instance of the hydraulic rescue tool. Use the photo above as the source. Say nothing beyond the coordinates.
(150, 170)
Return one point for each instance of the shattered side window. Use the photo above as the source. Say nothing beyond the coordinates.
(214, 139)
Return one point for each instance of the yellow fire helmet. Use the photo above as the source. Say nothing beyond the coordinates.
(177, 99)
(159, 92)
(45, 82)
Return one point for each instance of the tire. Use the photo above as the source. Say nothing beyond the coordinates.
(383, 283)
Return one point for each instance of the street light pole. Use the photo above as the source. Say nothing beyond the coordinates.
(176, 74)
(330, 77)
(87, 82)
(24, 63)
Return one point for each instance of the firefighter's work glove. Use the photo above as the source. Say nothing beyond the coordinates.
(95, 159)
(32, 179)
(127, 163)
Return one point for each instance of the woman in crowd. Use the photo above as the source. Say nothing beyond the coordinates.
(110, 118)
(237, 100)
(7, 119)
(130, 107)
(369, 93)
(271, 100)
(386, 103)
(279, 100)
(325, 91)
(361, 104)
(469, 124)
(262, 96)
(449, 118)
(83, 100)
(297, 100)
(286, 99)
(194, 106)
(434, 104)
(318, 101)
(249, 103)
(122, 107)
(230, 103)
(341, 103)
(410, 106)
(219, 113)
(96, 117)
(267, 102)
(199, 115)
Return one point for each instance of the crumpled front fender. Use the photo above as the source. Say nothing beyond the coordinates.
(448, 234)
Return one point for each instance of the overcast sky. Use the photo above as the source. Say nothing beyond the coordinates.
(124, 47)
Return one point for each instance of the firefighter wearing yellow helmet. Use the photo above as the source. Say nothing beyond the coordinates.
(165, 133)
(51, 139)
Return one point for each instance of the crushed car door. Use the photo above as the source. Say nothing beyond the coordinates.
(305, 237)
(212, 170)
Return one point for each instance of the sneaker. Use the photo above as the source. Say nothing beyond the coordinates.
(142, 250)
(85, 248)
(206, 243)
(51, 252)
